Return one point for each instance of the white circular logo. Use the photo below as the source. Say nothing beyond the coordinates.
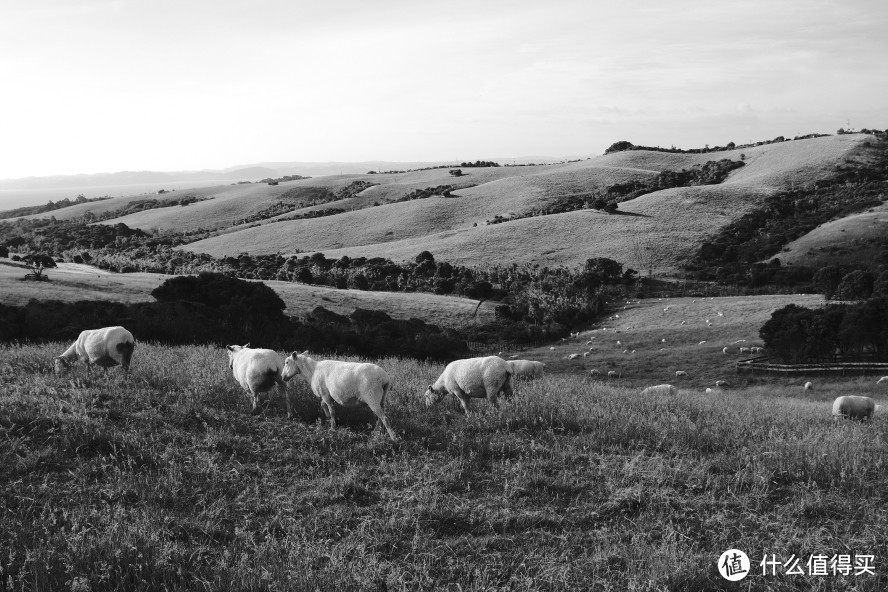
(733, 565)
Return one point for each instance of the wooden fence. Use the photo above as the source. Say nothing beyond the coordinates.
(761, 365)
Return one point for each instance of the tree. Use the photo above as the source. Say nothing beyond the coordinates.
(619, 147)
(827, 279)
(38, 262)
(456, 172)
(424, 256)
(856, 285)
(481, 291)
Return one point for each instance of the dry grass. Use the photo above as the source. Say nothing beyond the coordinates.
(162, 481)
(72, 282)
(671, 222)
(847, 241)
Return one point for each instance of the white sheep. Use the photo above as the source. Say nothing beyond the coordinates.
(725, 350)
(526, 368)
(257, 371)
(346, 383)
(552, 349)
(722, 383)
(853, 407)
(702, 342)
(110, 346)
(472, 378)
(882, 380)
(745, 350)
(708, 390)
(680, 373)
(612, 374)
(573, 356)
(586, 354)
(660, 390)
(809, 386)
(683, 322)
(594, 372)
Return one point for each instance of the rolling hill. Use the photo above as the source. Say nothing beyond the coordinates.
(72, 283)
(656, 231)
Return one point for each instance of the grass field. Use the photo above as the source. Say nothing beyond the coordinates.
(643, 325)
(161, 480)
(846, 241)
(670, 222)
(72, 282)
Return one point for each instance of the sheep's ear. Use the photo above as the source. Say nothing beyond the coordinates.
(305, 353)
(294, 354)
(246, 346)
(431, 389)
(230, 347)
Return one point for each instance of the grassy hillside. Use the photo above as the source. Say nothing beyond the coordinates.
(674, 220)
(161, 480)
(642, 325)
(72, 282)
(846, 241)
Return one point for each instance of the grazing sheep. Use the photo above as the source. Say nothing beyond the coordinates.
(745, 350)
(586, 354)
(725, 350)
(612, 374)
(679, 373)
(473, 378)
(590, 341)
(882, 380)
(257, 371)
(702, 342)
(552, 348)
(708, 390)
(683, 322)
(659, 390)
(110, 346)
(526, 368)
(618, 342)
(722, 383)
(347, 383)
(573, 356)
(853, 407)
(594, 372)
(809, 386)
(721, 314)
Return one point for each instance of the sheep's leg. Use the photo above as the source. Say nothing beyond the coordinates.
(255, 398)
(507, 388)
(463, 399)
(375, 406)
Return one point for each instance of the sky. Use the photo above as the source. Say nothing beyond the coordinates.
(90, 86)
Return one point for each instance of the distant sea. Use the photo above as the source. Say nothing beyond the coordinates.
(17, 198)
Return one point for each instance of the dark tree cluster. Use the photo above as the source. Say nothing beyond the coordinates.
(795, 334)
(479, 164)
(624, 145)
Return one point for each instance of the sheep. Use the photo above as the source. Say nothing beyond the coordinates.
(702, 342)
(594, 372)
(725, 350)
(612, 374)
(683, 322)
(573, 356)
(472, 378)
(526, 368)
(853, 407)
(680, 373)
(106, 347)
(809, 386)
(552, 348)
(756, 350)
(882, 380)
(346, 383)
(660, 390)
(708, 390)
(745, 350)
(722, 383)
(586, 354)
(257, 371)
(590, 341)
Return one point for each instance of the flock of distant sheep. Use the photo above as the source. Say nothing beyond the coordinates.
(350, 383)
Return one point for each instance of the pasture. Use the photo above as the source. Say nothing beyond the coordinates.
(162, 480)
(71, 282)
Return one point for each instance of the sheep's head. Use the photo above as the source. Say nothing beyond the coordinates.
(61, 365)
(291, 365)
(232, 351)
(432, 396)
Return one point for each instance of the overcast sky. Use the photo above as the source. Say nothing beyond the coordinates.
(110, 85)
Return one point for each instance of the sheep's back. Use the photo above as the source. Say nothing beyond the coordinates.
(257, 368)
(347, 381)
(471, 374)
